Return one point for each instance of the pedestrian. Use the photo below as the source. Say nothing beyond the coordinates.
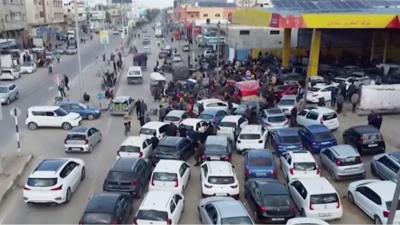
(58, 56)
(371, 118)
(171, 130)
(182, 131)
(199, 153)
(162, 112)
(154, 141)
(351, 90)
(293, 116)
(334, 93)
(138, 107)
(143, 108)
(172, 40)
(141, 120)
(339, 103)
(127, 124)
(61, 86)
(66, 81)
(378, 122)
(354, 101)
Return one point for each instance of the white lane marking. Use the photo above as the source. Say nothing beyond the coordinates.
(109, 122)
(77, 77)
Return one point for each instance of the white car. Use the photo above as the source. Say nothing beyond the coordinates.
(51, 116)
(273, 118)
(170, 175)
(231, 126)
(218, 178)
(176, 117)
(152, 127)
(316, 198)
(318, 115)
(197, 125)
(160, 207)
(54, 181)
(359, 79)
(318, 91)
(306, 220)
(212, 103)
(9, 74)
(298, 164)
(28, 67)
(251, 137)
(82, 139)
(286, 104)
(135, 146)
(134, 75)
(374, 198)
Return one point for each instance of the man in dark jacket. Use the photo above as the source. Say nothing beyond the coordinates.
(154, 141)
(171, 129)
(163, 111)
(351, 90)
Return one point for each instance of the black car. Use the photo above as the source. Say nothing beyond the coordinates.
(270, 200)
(173, 148)
(365, 138)
(128, 175)
(217, 148)
(107, 208)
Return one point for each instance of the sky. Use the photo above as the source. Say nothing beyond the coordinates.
(145, 3)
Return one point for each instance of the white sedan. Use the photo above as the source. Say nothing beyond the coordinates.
(28, 67)
(170, 175)
(54, 181)
(212, 103)
(320, 91)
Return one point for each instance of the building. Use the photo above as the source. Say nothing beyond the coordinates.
(35, 14)
(96, 19)
(72, 6)
(205, 13)
(12, 18)
(246, 3)
(53, 11)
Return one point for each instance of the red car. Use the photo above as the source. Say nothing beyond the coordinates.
(288, 89)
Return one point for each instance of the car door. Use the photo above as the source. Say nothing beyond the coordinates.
(92, 137)
(148, 150)
(96, 135)
(51, 119)
(13, 92)
(311, 118)
(285, 163)
(178, 199)
(295, 190)
(326, 93)
(209, 215)
(326, 158)
(367, 200)
(142, 172)
(76, 109)
(301, 117)
(386, 168)
(69, 176)
(184, 173)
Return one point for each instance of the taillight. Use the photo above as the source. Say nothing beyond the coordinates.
(247, 172)
(134, 183)
(274, 173)
(263, 209)
(176, 183)
(169, 221)
(57, 188)
(386, 214)
(135, 221)
(318, 171)
(140, 154)
(321, 120)
(291, 170)
(234, 186)
(26, 188)
(311, 206)
(338, 204)
(338, 162)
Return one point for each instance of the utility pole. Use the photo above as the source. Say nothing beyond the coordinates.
(78, 48)
(193, 40)
(218, 37)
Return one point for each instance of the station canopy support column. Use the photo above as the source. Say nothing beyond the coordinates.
(385, 46)
(286, 47)
(313, 60)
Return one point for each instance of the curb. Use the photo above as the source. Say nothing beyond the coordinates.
(12, 183)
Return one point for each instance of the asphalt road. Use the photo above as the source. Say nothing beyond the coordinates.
(47, 143)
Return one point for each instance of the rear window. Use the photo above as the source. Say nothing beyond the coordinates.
(236, 220)
(221, 180)
(323, 136)
(118, 175)
(324, 198)
(250, 136)
(129, 148)
(172, 118)
(329, 116)
(349, 161)
(260, 161)
(160, 176)
(286, 102)
(154, 215)
(277, 200)
(212, 148)
(305, 166)
(76, 137)
(42, 182)
(290, 139)
(227, 124)
(277, 119)
(147, 131)
(97, 218)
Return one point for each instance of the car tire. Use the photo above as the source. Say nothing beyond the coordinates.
(377, 220)
(83, 174)
(66, 126)
(32, 126)
(350, 197)
(90, 117)
(68, 195)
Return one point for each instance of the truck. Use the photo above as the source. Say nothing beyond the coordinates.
(380, 98)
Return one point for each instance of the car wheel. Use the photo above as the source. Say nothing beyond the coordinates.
(68, 196)
(66, 126)
(377, 220)
(90, 117)
(350, 197)
(32, 126)
(83, 174)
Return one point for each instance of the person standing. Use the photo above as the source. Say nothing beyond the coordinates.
(339, 103)
(61, 89)
(154, 141)
(371, 118)
(138, 107)
(199, 153)
(66, 81)
(143, 108)
(334, 93)
(171, 129)
(141, 120)
(354, 101)
(351, 90)
(293, 117)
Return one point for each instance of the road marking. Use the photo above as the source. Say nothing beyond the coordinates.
(108, 125)
(76, 78)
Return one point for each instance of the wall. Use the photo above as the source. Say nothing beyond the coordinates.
(12, 15)
(35, 14)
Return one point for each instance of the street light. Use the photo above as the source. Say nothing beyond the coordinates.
(78, 48)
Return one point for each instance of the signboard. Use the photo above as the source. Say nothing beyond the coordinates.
(104, 37)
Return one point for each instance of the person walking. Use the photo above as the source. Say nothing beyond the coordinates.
(171, 129)
(138, 107)
(339, 103)
(61, 89)
(354, 101)
(375, 120)
(162, 112)
(199, 152)
(66, 81)
(293, 117)
(127, 124)
(334, 93)
(143, 108)
(351, 90)
(141, 120)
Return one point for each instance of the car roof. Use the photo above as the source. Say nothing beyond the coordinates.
(301, 156)
(384, 188)
(125, 164)
(156, 200)
(102, 202)
(153, 124)
(217, 140)
(259, 153)
(320, 109)
(230, 208)
(171, 141)
(365, 129)
(219, 168)
(52, 165)
(344, 151)
(176, 113)
(287, 131)
(271, 187)
(317, 185)
(231, 118)
(211, 111)
(273, 111)
(251, 128)
(41, 108)
(78, 130)
(316, 128)
(191, 121)
(134, 140)
(168, 165)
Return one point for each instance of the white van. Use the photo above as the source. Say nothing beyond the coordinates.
(134, 75)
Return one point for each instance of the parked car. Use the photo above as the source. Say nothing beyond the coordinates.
(197, 125)
(231, 125)
(85, 111)
(108, 208)
(223, 210)
(82, 139)
(365, 138)
(128, 175)
(342, 161)
(316, 198)
(274, 118)
(217, 148)
(122, 105)
(306, 220)
(148, 129)
(176, 117)
(286, 139)
(134, 75)
(358, 79)
(318, 115)
(288, 89)
(51, 116)
(160, 207)
(213, 116)
(259, 164)
(212, 103)
(251, 137)
(54, 181)
(317, 137)
(286, 104)
(270, 200)
(255, 106)
(186, 48)
(71, 50)
(318, 91)
(386, 166)
(9, 74)
(8, 93)
(374, 198)
(298, 164)
(170, 175)
(136, 146)
(218, 178)
(28, 67)
(173, 148)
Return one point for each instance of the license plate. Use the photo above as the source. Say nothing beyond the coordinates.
(325, 143)
(214, 158)
(277, 219)
(261, 174)
(291, 147)
(76, 149)
(372, 145)
(324, 214)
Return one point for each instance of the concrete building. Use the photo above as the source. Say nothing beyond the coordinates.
(54, 12)
(205, 12)
(69, 11)
(12, 18)
(35, 14)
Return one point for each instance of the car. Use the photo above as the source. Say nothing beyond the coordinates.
(316, 198)
(298, 164)
(386, 166)
(115, 32)
(365, 138)
(273, 118)
(60, 50)
(286, 139)
(259, 164)
(212, 103)
(176, 117)
(49, 55)
(358, 79)
(51, 116)
(82, 139)
(209, 53)
(251, 136)
(128, 174)
(170, 175)
(318, 115)
(122, 105)
(148, 129)
(163, 54)
(85, 111)
(316, 80)
(71, 50)
(146, 41)
(134, 75)
(223, 210)
(318, 91)
(306, 220)
(160, 207)
(28, 67)
(173, 148)
(287, 103)
(54, 181)
(135, 146)
(218, 178)
(287, 89)
(107, 208)
(374, 198)
(186, 48)
(198, 125)
(342, 161)
(317, 137)
(217, 148)
(8, 93)
(213, 116)
(255, 106)
(270, 200)
(9, 74)
(231, 126)
(176, 59)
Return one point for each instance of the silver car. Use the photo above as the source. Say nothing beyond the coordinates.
(386, 166)
(274, 118)
(286, 104)
(8, 93)
(342, 161)
(82, 139)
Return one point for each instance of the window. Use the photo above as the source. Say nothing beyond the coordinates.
(389, 164)
(182, 169)
(302, 113)
(274, 32)
(205, 15)
(244, 32)
(172, 206)
(217, 15)
(312, 115)
(205, 169)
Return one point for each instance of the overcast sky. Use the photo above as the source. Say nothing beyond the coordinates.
(146, 3)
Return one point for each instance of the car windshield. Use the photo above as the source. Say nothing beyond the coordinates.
(286, 102)
(42, 182)
(119, 176)
(60, 112)
(172, 118)
(27, 64)
(260, 161)
(277, 200)
(134, 72)
(206, 116)
(324, 198)
(161, 176)
(97, 218)
(221, 180)
(166, 149)
(76, 137)
(321, 136)
(3, 89)
(153, 215)
(250, 136)
(129, 148)
(329, 116)
(236, 220)
(305, 166)
(213, 148)
(227, 124)
(277, 119)
(147, 131)
(290, 139)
